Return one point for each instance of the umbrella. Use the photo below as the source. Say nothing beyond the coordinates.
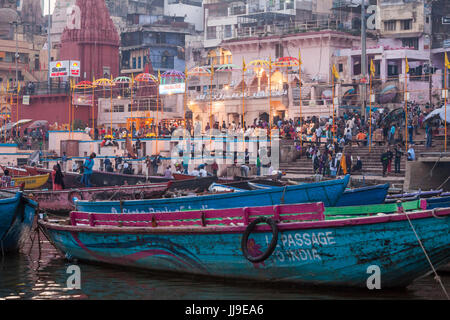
(441, 113)
(38, 124)
(23, 121)
(8, 126)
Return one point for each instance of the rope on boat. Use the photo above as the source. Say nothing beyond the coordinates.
(436, 277)
(439, 188)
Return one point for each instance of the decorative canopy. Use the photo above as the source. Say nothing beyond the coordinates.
(286, 62)
(104, 82)
(173, 74)
(199, 72)
(146, 77)
(259, 64)
(228, 67)
(84, 85)
(122, 80)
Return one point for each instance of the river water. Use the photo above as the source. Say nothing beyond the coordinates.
(41, 273)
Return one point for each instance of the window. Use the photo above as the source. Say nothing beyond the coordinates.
(120, 108)
(390, 25)
(411, 43)
(211, 33)
(279, 50)
(228, 33)
(341, 67)
(134, 63)
(139, 62)
(406, 24)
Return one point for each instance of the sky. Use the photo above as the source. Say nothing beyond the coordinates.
(52, 5)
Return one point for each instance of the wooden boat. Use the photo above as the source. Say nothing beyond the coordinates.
(327, 192)
(16, 218)
(15, 172)
(418, 194)
(216, 187)
(364, 196)
(200, 184)
(62, 202)
(31, 182)
(180, 176)
(71, 179)
(438, 202)
(104, 179)
(296, 245)
(101, 179)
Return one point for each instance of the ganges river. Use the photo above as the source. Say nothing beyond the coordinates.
(25, 276)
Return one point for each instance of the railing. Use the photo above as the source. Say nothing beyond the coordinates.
(42, 88)
(292, 27)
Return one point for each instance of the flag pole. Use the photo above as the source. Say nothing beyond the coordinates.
(131, 105)
(445, 107)
(111, 110)
(406, 104)
(70, 108)
(17, 107)
(185, 95)
(370, 113)
(332, 97)
(243, 101)
(300, 97)
(93, 108)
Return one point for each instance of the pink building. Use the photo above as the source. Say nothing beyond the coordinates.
(229, 101)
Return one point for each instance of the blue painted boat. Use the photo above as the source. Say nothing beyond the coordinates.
(16, 218)
(438, 202)
(294, 247)
(364, 196)
(327, 192)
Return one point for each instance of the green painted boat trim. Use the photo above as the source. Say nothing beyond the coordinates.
(371, 209)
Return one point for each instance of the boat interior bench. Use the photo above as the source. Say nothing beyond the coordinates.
(203, 218)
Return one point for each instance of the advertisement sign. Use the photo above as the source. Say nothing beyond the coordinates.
(65, 68)
(26, 100)
(74, 68)
(172, 88)
(59, 69)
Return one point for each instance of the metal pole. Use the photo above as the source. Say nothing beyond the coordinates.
(16, 24)
(363, 55)
(49, 42)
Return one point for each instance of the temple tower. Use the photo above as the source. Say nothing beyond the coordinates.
(91, 38)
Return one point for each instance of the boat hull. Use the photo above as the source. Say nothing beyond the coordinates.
(16, 218)
(61, 202)
(327, 192)
(364, 196)
(32, 182)
(336, 253)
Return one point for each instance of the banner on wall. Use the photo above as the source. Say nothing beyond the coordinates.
(173, 88)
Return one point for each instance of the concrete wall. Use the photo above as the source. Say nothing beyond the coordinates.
(427, 175)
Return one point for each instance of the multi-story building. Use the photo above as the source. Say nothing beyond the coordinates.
(162, 40)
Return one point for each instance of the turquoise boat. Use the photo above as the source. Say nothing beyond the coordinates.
(16, 218)
(327, 192)
(296, 244)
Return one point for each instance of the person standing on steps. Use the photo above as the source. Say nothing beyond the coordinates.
(398, 153)
(384, 161)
